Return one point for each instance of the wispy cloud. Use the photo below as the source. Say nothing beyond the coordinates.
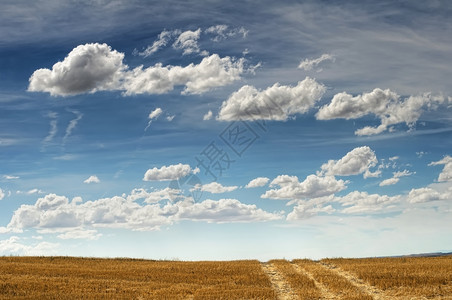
(72, 124)
(309, 64)
(153, 115)
(53, 128)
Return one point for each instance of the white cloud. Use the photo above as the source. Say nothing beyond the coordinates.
(308, 210)
(362, 202)
(10, 177)
(309, 64)
(258, 182)
(79, 233)
(207, 116)
(278, 102)
(389, 181)
(157, 195)
(384, 104)
(170, 118)
(87, 68)
(171, 172)
(54, 213)
(34, 191)
(188, 41)
(396, 177)
(222, 32)
(425, 194)
(153, 115)
(30, 192)
(96, 67)
(421, 153)
(92, 179)
(210, 73)
(13, 246)
(357, 161)
(312, 187)
(163, 39)
(215, 188)
(446, 174)
(226, 210)
(2, 194)
(72, 124)
(53, 127)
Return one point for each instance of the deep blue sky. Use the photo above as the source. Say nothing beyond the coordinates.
(116, 117)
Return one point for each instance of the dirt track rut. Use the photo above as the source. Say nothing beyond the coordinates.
(279, 283)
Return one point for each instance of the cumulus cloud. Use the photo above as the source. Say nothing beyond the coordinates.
(54, 213)
(2, 194)
(215, 188)
(434, 192)
(308, 210)
(207, 116)
(226, 211)
(171, 172)
(14, 246)
(446, 174)
(396, 177)
(357, 161)
(188, 41)
(386, 105)
(257, 182)
(278, 102)
(10, 177)
(362, 202)
(424, 194)
(290, 188)
(213, 71)
(309, 64)
(87, 68)
(157, 195)
(96, 67)
(389, 181)
(92, 179)
(153, 115)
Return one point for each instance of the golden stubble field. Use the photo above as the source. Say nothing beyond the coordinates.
(94, 278)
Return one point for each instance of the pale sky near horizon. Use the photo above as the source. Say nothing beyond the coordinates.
(209, 130)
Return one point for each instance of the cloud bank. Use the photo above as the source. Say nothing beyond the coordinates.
(278, 102)
(386, 105)
(97, 67)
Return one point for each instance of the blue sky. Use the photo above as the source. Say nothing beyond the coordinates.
(213, 130)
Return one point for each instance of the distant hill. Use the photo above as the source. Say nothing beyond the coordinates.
(433, 254)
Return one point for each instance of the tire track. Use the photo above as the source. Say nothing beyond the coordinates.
(280, 285)
(375, 292)
(323, 289)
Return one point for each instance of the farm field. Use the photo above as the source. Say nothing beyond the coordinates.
(95, 278)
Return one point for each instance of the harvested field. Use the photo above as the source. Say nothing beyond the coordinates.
(94, 278)
(404, 278)
(77, 278)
